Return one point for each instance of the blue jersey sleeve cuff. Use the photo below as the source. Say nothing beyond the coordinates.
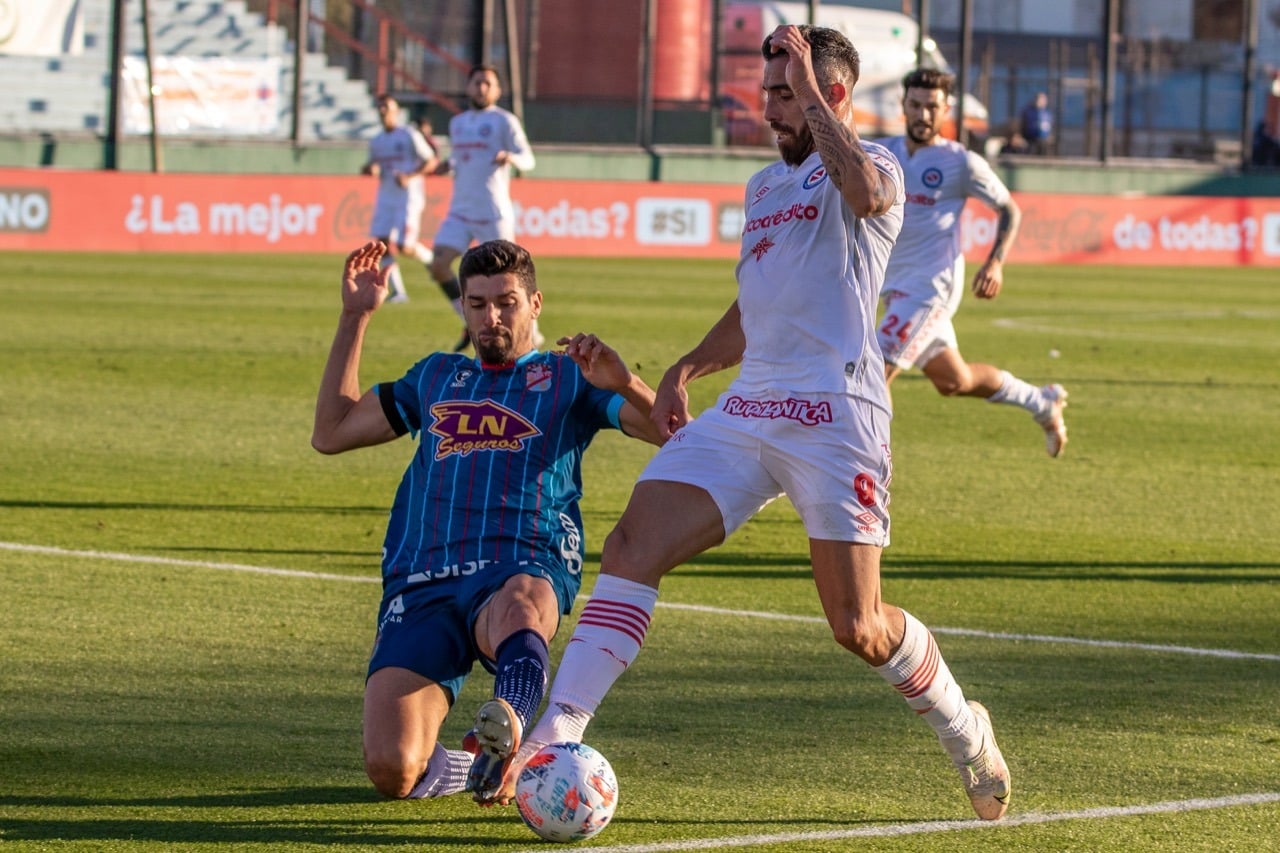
(615, 406)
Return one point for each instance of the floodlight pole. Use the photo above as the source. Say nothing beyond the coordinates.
(922, 31)
(111, 158)
(962, 69)
(1250, 12)
(1111, 25)
(157, 157)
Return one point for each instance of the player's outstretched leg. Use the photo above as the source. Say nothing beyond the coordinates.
(917, 671)
(1045, 405)
(1055, 428)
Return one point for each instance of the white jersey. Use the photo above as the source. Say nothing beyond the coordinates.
(809, 281)
(928, 259)
(399, 150)
(481, 188)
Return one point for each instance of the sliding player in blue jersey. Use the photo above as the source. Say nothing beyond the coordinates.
(484, 547)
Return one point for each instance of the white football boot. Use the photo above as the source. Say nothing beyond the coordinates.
(1055, 428)
(985, 775)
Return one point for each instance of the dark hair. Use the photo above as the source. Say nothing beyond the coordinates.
(499, 257)
(928, 78)
(477, 69)
(383, 97)
(834, 56)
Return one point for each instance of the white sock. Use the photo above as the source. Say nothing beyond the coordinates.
(918, 672)
(1015, 392)
(605, 642)
(423, 254)
(457, 309)
(394, 282)
(446, 774)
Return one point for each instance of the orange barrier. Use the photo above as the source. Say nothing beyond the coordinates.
(64, 210)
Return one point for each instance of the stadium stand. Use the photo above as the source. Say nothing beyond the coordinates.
(69, 93)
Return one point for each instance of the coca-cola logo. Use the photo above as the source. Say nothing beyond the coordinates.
(352, 217)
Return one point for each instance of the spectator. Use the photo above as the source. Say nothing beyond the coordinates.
(1037, 124)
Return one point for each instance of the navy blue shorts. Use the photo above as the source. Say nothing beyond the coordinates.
(430, 628)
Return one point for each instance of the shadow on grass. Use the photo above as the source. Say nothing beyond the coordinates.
(760, 566)
(192, 507)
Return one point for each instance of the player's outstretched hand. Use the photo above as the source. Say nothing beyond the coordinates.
(600, 363)
(364, 280)
(670, 409)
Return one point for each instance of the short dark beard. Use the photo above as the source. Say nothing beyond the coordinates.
(798, 150)
(933, 134)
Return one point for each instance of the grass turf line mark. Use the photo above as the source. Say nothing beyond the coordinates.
(698, 608)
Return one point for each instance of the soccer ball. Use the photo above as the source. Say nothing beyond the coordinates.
(566, 792)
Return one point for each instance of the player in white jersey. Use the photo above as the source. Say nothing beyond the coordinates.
(925, 278)
(807, 416)
(398, 157)
(485, 142)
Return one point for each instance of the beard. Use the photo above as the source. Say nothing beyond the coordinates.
(921, 133)
(794, 147)
(494, 346)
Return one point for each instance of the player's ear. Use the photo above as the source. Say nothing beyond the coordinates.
(836, 93)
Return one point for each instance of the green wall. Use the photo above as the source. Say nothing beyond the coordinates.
(696, 164)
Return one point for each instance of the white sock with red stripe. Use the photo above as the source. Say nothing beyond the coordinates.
(606, 641)
(918, 672)
(1017, 392)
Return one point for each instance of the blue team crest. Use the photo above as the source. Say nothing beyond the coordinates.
(470, 426)
(462, 377)
(932, 178)
(817, 176)
(485, 130)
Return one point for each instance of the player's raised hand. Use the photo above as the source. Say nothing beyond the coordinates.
(364, 280)
(800, 75)
(600, 363)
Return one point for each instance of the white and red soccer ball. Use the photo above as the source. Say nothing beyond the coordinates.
(566, 792)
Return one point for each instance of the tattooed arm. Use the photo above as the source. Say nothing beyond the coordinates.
(866, 190)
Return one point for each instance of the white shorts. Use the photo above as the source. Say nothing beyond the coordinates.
(398, 221)
(458, 233)
(828, 453)
(914, 329)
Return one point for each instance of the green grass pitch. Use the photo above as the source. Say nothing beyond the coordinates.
(1118, 609)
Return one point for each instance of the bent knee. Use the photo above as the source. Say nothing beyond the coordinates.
(392, 777)
(949, 387)
(868, 638)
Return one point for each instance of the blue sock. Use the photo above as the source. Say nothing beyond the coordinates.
(522, 664)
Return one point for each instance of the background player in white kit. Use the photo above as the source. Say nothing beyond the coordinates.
(807, 416)
(925, 278)
(485, 142)
(398, 157)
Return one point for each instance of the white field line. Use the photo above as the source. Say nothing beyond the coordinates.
(1055, 326)
(927, 827)
(697, 608)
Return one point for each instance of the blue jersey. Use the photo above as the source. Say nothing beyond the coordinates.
(497, 476)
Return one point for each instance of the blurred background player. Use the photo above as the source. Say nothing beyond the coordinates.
(486, 142)
(399, 156)
(484, 545)
(924, 282)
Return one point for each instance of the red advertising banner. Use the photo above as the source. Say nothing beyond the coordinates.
(62, 210)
